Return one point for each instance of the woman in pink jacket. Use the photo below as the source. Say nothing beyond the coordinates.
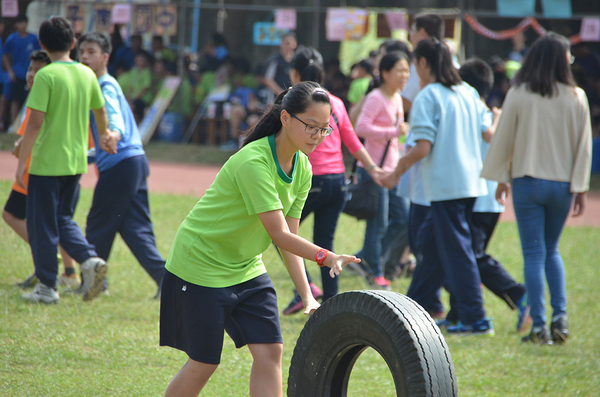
(327, 196)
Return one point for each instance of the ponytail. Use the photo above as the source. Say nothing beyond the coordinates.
(294, 100)
(308, 62)
(437, 55)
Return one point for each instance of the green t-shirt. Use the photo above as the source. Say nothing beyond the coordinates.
(357, 89)
(139, 80)
(221, 241)
(65, 92)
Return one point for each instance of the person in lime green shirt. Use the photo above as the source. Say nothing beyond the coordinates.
(215, 278)
(139, 85)
(362, 75)
(56, 137)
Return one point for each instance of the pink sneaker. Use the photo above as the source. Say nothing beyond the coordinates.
(316, 291)
(380, 282)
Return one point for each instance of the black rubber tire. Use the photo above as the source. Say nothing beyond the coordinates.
(390, 323)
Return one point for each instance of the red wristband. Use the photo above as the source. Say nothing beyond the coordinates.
(320, 256)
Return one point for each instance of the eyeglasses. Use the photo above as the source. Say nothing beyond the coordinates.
(571, 59)
(313, 129)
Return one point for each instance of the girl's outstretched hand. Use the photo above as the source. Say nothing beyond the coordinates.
(335, 262)
(311, 305)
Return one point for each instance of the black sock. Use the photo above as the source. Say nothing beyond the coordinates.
(69, 270)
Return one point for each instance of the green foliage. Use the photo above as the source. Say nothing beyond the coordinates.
(109, 347)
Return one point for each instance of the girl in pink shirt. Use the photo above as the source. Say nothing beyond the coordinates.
(380, 123)
(327, 196)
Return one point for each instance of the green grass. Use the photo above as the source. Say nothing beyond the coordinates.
(109, 347)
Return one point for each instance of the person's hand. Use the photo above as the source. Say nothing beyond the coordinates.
(336, 262)
(496, 112)
(109, 141)
(502, 192)
(17, 150)
(377, 174)
(579, 204)
(310, 305)
(19, 175)
(404, 128)
(12, 76)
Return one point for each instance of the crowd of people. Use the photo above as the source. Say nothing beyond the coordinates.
(428, 141)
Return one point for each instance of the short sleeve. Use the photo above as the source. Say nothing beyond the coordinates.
(424, 118)
(255, 180)
(39, 96)
(97, 100)
(298, 205)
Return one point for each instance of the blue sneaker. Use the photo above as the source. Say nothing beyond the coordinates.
(481, 327)
(445, 323)
(524, 320)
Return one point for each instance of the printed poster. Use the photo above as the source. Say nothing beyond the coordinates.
(557, 8)
(285, 19)
(121, 14)
(75, 13)
(165, 20)
(265, 33)
(102, 19)
(345, 24)
(590, 29)
(516, 8)
(143, 21)
(10, 8)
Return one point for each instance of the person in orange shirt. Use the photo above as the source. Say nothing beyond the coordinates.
(14, 213)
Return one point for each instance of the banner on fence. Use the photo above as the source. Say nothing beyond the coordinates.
(165, 20)
(121, 14)
(265, 33)
(285, 19)
(10, 8)
(143, 21)
(75, 13)
(590, 29)
(102, 19)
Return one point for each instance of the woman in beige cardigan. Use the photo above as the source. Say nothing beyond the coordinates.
(544, 144)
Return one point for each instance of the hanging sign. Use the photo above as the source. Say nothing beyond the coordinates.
(590, 29)
(103, 17)
(285, 19)
(121, 14)
(75, 13)
(143, 21)
(10, 8)
(165, 20)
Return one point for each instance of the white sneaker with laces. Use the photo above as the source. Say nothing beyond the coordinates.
(93, 271)
(42, 293)
(68, 281)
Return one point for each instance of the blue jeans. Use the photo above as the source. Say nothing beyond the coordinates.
(326, 199)
(542, 207)
(389, 225)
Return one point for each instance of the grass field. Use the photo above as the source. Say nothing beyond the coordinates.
(109, 347)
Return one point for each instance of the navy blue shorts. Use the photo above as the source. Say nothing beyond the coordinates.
(193, 318)
(16, 204)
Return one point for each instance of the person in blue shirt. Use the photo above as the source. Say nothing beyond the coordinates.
(120, 203)
(447, 122)
(15, 58)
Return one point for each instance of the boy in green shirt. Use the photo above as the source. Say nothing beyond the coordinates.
(56, 137)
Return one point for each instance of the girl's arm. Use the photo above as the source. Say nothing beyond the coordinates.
(295, 268)
(279, 231)
(414, 155)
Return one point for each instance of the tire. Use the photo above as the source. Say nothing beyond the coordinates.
(390, 323)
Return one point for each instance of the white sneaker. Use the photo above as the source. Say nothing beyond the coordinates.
(42, 293)
(93, 271)
(68, 281)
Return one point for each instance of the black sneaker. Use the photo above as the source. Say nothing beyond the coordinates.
(540, 337)
(28, 283)
(559, 330)
(295, 305)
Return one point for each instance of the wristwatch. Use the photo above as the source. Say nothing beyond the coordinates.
(320, 256)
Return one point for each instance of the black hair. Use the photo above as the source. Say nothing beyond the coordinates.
(387, 63)
(56, 34)
(295, 100)
(432, 24)
(367, 65)
(308, 62)
(21, 18)
(373, 54)
(242, 65)
(40, 56)
(157, 39)
(478, 75)
(545, 65)
(437, 55)
(395, 45)
(96, 38)
(219, 39)
(289, 34)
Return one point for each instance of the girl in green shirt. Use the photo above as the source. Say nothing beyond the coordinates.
(215, 279)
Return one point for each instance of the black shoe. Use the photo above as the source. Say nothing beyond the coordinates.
(541, 337)
(28, 283)
(559, 330)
